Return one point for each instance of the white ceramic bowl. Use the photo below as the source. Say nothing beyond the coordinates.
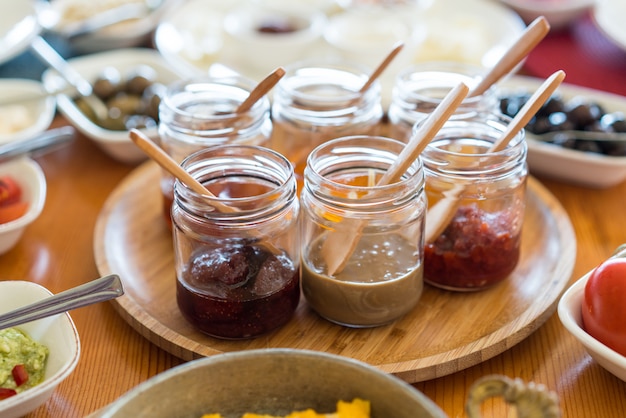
(262, 51)
(33, 183)
(59, 16)
(25, 118)
(553, 161)
(115, 143)
(57, 333)
(274, 381)
(570, 314)
(18, 27)
(559, 13)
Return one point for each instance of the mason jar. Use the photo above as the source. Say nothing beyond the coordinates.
(419, 89)
(362, 243)
(479, 244)
(317, 101)
(237, 270)
(199, 113)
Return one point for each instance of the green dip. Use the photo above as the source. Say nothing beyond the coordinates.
(16, 347)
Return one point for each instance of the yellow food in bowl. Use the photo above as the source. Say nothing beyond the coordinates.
(358, 408)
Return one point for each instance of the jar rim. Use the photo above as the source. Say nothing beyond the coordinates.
(244, 161)
(227, 85)
(380, 152)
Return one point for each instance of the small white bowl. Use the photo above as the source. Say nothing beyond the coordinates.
(586, 169)
(261, 51)
(115, 143)
(58, 333)
(33, 183)
(559, 13)
(28, 117)
(570, 314)
(58, 17)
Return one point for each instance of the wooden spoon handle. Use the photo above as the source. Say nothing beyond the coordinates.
(533, 34)
(261, 89)
(381, 67)
(528, 111)
(425, 134)
(172, 167)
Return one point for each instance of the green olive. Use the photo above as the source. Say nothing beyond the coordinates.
(85, 108)
(108, 83)
(128, 104)
(139, 79)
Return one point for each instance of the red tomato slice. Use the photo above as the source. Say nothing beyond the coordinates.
(603, 307)
(20, 374)
(13, 211)
(7, 393)
(10, 191)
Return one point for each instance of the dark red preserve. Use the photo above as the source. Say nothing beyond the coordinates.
(238, 292)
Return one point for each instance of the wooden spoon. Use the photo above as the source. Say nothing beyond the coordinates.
(382, 67)
(261, 89)
(529, 39)
(339, 245)
(440, 214)
(172, 167)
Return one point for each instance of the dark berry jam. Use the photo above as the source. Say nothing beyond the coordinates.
(239, 292)
(476, 251)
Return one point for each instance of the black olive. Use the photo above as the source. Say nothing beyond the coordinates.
(582, 112)
(615, 122)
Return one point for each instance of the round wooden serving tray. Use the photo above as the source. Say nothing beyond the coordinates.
(445, 333)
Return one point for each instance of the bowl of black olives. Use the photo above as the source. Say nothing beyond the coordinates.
(128, 84)
(577, 136)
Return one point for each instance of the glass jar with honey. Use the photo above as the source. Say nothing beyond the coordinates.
(237, 251)
(419, 89)
(318, 101)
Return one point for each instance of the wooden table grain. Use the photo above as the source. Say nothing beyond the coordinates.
(56, 251)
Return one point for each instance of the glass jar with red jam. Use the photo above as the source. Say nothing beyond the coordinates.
(237, 253)
(480, 246)
(362, 246)
(419, 89)
(320, 100)
(199, 113)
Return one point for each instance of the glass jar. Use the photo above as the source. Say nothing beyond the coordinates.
(238, 270)
(418, 90)
(318, 101)
(480, 246)
(199, 113)
(343, 208)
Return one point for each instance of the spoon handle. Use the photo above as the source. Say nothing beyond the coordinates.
(99, 290)
(46, 141)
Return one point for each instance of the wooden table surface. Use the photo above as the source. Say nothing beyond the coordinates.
(56, 251)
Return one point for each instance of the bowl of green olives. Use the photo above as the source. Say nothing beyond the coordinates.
(129, 83)
(578, 136)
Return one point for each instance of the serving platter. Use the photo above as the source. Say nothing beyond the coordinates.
(445, 333)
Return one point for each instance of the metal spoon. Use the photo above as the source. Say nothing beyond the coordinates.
(44, 142)
(579, 135)
(99, 290)
(50, 56)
